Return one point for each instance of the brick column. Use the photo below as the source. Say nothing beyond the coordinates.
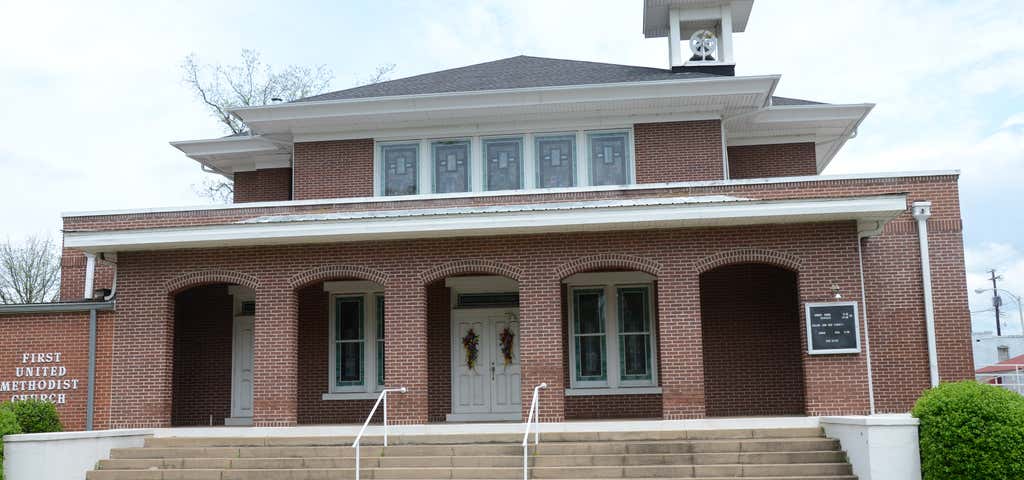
(540, 346)
(275, 355)
(679, 346)
(405, 349)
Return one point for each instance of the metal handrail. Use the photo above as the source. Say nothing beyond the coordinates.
(534, 416)
(382, 397)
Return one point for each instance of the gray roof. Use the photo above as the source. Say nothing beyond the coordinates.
(786, 101)
(517, 72)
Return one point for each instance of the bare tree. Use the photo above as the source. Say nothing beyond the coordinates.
(223, 88)
(29, 273)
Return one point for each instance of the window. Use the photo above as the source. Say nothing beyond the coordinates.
(503, 163)
(609, 158)
(400, 167)
(1003, 352)
(612, 338)
(451, 166)
(556, 161)
(356, 322)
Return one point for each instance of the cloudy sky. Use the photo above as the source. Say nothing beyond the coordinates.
(91, 92)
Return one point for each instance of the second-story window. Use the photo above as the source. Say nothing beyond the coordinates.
(401, 168)
(556, 161)
(451, 166)
(609, 158)
(503, 163)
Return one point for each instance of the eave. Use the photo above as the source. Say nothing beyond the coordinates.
(870, 213)
(229, 155)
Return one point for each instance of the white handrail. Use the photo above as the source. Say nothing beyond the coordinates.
(534, 416)
(383, 397)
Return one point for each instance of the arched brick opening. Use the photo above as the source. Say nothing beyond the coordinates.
(752, 350)
(313, 304)
(439, 298)
(584, 407)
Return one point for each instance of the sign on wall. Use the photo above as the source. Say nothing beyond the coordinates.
(40, 376)
(832, 328)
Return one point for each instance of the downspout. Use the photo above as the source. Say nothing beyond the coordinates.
(90, 275)
(91, 392)
(867, 335)
(921, 211)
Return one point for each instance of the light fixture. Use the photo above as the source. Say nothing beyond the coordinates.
(835, 292)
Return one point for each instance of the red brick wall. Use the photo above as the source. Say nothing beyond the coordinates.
(678, 151)
(439, 343)
(72, 275)
(202, 356)
(751, 329)
(67, 333)
(780, 160)
(268, 185)
(335, 169)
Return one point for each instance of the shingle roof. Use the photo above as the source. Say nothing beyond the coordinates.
(786, 101)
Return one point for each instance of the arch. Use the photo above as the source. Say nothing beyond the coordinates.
(609, 261)
(470, 265)
(207, 277)
(749, 255)
(327, 272)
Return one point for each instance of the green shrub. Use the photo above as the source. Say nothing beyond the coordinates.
(37, 416)
(8, 426)
(971, 431)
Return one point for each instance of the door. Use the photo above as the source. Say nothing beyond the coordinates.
(241, 368)
(490, 388)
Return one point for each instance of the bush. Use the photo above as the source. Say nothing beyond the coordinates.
(37, 416)
(8, 426)
(971, 431)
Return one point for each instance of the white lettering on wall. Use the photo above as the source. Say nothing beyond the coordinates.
(40, 377)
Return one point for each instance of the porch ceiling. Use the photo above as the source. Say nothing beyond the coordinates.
(871, 213)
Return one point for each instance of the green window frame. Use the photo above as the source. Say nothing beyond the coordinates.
(380, 341)
(342, 344)
(633, 337)
(598, 336)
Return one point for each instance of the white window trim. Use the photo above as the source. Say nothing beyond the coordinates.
(610, 282)
(369, 292)
(477, 184)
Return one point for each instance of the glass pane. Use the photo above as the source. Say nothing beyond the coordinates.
(503, 163)
(401, 166)
(380, 317)
(556, 161)
(349, 324)
(451, 167)
(635, 357)
(590, 358)
(380, 340)
(380, 363)
(350, 363)
(589, 312)
(633, 315)
(609, 162)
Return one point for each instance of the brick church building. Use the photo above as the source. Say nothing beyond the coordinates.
(649, 242)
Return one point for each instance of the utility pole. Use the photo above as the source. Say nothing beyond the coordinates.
(996, 301)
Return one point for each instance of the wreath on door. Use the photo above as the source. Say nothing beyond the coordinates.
(471, 345)
(507, 345)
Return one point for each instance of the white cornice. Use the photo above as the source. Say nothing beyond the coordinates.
(601, 216)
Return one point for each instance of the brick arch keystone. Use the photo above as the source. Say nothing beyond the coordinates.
(327, 272)
(470, 265)
(207, 277)
(749, 255)
(609, 261)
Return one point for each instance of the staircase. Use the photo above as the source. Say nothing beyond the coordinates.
(766, 454)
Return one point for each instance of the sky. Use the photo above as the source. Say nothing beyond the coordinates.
(91, 92)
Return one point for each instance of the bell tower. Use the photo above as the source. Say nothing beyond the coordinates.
(699, 32)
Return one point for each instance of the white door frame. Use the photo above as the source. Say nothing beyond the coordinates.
(243, 336)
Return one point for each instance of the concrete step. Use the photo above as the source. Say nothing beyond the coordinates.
(486, 438)
(702, 472)
(477, 461)
(545, 448)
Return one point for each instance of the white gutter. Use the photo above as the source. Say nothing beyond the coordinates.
(867, 334)
(490, 221)
(921, 212)
(90, 274)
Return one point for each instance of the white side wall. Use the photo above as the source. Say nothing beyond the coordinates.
(986, 347)
(880, 447)
(63, 456)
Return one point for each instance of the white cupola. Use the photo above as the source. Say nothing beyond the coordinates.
(699, 32)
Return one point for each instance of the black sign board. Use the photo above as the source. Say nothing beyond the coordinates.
(832, 328)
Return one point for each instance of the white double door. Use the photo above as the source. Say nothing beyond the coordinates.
(489, 389)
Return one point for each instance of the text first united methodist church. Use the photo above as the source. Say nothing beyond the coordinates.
(650, 243)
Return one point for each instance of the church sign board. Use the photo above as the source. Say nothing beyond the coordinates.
(832, 328)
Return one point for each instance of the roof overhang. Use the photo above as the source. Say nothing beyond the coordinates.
(717, 95)
(229, 155)
(656, 13)
(827, 126)
(870, 213)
